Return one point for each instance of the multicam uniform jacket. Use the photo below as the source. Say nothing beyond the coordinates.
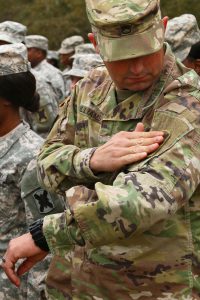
(54, 76)
(17, 148)
(133, 235)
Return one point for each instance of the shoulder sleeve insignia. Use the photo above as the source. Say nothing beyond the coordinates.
(43, 201)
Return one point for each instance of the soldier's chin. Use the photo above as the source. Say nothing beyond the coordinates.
(137, 86)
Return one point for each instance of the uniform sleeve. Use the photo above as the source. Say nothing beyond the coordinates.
(61, 164)
(37, 201)
(141, 196)
(44, 119)
(59, 87)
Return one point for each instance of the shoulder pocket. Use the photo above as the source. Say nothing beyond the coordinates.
(176, 121)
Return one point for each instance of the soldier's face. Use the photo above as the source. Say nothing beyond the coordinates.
(136, 74)
(65, 59)
(34, 56)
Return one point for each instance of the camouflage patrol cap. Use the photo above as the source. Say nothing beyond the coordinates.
(83, 63)
(86, 48)
(13, 59)
(68, 45)
(181, 33)
(36, 41)
(126, 29)
(12, 32)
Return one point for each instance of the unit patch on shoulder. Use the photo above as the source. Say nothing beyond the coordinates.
(43, 201)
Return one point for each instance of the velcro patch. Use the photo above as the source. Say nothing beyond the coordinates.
(43, 201)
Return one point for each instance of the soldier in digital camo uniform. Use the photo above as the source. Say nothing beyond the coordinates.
(18, 145)
(66, 50)
(182, 32)
(82, 64)
(12, 32)
(42, 120)
(132, 229)
(183, 35)
(37, 52)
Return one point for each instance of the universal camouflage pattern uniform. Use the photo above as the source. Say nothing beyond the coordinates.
(17, 148)
(12, 32)
(52, 74)
(182, 32)
(86, 48)
(83, 63)
(68, 46)
(133, 234)
(42, 121)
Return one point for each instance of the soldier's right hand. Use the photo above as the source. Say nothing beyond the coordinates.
(125, 148)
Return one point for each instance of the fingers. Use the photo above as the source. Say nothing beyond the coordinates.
(139, 127)
(9, 269)
(131, 158)
(145, 141)
(25, 266)
(149, 134)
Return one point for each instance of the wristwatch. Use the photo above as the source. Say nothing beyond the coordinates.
(37, 234)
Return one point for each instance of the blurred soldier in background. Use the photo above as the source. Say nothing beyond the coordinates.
(66, 50)
(193, 59)
(18, 145)
(12, 32)
(37, 51)
(87, 48)
(183, 34)
(82, 64)
(42, 120)
(53, 58)
(81, 49)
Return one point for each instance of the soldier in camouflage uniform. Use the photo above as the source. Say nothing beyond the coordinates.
(132, 228)
(53, 58)
(37, 51)
(18, 145)
(183, 35)
(42, 120)
(182, 32)
(66, 50)
(12, 32)
(82, 64)
(87, 48)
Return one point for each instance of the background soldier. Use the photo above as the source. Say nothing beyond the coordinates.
(37, 46)
(182, 33)
(66, 50)
(12, 32)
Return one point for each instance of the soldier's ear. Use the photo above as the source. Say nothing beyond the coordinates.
(165, 21)
(92, 39)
